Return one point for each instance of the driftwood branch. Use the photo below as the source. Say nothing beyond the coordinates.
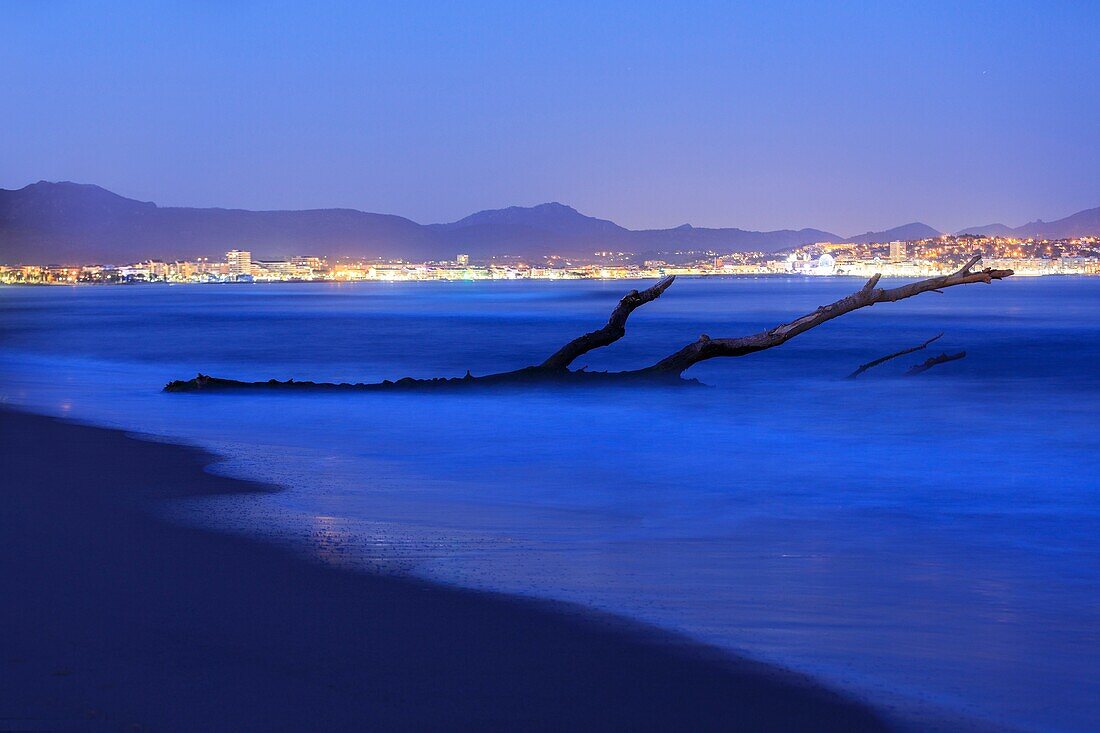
(526, 378)
(555, 370)
(883, 359)
(613, 330)
(933, 361)
(707, 348)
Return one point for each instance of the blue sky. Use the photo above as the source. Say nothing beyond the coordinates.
(844, 116)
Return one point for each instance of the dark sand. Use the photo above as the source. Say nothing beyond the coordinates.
(112, 619)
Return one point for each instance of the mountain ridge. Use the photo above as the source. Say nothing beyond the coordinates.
(1083, 223)
(906, 232)
(79, 223)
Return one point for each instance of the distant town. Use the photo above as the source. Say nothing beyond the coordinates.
(921, 258)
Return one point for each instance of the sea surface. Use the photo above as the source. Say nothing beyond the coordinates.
(928, 542)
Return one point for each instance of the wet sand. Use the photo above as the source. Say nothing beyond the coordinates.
(114, 619)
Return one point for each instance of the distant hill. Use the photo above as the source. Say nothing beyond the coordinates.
(1082, 224)
(689, 237)
(904, 233)
(544, 229)
(71, 223)
(989, 230)
(566, 230)
(552, 217)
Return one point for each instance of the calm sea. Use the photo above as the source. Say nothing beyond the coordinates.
(930, 541)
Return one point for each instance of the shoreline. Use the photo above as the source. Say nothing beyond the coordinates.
(466, 281)
(116, 618)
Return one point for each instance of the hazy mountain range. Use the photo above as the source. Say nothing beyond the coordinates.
(71, 223)
(1082, 224)
(904, 233)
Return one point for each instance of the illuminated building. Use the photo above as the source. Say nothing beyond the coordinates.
(239, 262)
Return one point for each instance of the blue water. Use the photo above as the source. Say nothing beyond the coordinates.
(929, 542)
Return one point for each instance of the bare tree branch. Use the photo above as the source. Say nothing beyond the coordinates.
(933, 361)
(613, 330)
(555, 371)
(895, 355)
(707, 348)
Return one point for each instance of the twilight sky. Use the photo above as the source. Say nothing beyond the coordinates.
(843, 116)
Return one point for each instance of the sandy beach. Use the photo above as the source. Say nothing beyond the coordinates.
(114, 619)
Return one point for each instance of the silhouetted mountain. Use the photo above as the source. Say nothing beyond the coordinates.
(700, 238)
(544, 229)
(552, 217)
(989, 230)
(1082, 224)
(70, 223)
(904, 233)
(556, 228)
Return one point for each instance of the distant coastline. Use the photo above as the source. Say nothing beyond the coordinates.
(922, 258)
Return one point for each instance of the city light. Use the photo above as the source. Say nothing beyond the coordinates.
(921, 258)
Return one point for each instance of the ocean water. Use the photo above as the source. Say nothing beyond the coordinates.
(930, 542)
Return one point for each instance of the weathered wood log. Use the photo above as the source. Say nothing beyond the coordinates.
(613, 330)
(668, 371)
(525, 378)
(883, 359)
(933, 361)
(708, 348)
